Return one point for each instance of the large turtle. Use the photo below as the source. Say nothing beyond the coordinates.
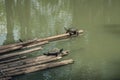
(54, 51)
(72, 31)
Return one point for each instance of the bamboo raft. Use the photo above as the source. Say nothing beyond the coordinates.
(31, 65)
(13, 60)
(10, 74)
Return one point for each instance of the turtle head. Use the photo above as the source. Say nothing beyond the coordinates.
(20, 40)
(65, 28)
(61, 50)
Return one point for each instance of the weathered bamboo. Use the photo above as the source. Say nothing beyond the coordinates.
(32, 64)
(22, 47)
(19, 53)
(38, 67)
(37, 61)
(58, 37)
(10, 49)
(34, 45)
(42, 58)
(53, 38)
(16, 44)
(6, 78)
(12, 59)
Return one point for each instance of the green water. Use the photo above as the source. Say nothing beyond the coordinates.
(96, 53)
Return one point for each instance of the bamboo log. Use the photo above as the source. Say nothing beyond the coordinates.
(29, 61)
(58, 37)
(22, 47)
(38, 67)
(32, 64)
(53, 38)
(10, 49)
(34, 45)
(16, 44)
(19, 53)
(13, 59)
(37, 61)
(6, 78)
(23, 57)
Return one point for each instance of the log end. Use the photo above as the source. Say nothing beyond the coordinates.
(65, 53)
(80, 31)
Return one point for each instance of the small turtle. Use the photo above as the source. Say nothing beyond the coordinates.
(72, 31)
(54, 51)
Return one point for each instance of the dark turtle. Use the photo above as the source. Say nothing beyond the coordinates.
(54, 51)
(72, 31)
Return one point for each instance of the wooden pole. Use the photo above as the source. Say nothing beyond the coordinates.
(29, 61)
(10, 49)
(38, 67)
(32, 64)
(22, 47)
(13, 59)
(34, 45)
(6, 78)
(19, 53)
(58, 37)
(53, 38)
(17, 44)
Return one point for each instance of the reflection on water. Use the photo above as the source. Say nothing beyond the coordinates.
(113, 28)
(3, 28)
(2, 38)
(51, 14)
(16, 33)
(96, 53)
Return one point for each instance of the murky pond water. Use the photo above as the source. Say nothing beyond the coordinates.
(96, 53)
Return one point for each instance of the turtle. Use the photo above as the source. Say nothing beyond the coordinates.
(72, 31)
(54, 51)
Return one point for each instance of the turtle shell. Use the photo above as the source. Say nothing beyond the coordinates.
(55, 50)
(72, 29)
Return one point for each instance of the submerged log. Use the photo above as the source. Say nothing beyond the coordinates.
(27, 43)
(38, 67)
(19, 53)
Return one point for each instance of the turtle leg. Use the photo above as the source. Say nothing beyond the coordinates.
(47, 54)
(77, 33)
(70, 33)
(61, 50)
(56, 54)
(44, 54)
